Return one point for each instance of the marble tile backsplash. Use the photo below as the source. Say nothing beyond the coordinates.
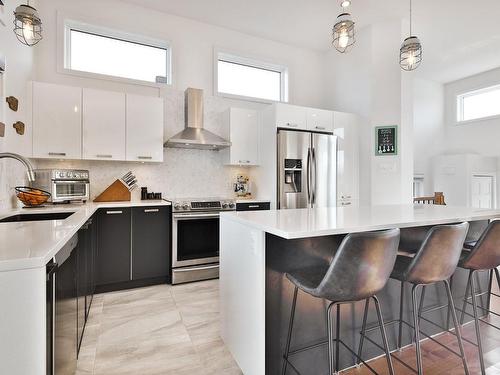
(183, 173)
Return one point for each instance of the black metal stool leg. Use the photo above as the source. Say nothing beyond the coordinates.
(363, 328)
(448, 316)
(476, 324)
(384, 336)
(330, 337)
(417, 329)
(497, 274)
(457, 326)
(290, 328)
(490, 285)
(464, 306)
(401, 304)
(337, 342)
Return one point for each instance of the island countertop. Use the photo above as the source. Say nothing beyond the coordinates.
(303, 223)
(32, 244)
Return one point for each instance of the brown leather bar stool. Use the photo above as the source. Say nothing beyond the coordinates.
(484, 256)
(434, 262)
(358, 271)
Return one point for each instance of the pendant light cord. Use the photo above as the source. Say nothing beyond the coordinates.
(411, 32)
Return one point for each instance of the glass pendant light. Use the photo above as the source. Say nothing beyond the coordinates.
(410, 54)
(27, 25)
(343, 30)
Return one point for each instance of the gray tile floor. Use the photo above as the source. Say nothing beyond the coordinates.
(156, 330)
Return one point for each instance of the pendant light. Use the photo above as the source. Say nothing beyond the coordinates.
(27, 25)
(410, 54)
(343, 30)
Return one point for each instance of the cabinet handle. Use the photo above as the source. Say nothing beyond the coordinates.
(346, 197)
(253, 206)
(346, 203)
(105, 156)
(291, 125)
(243, 161)
(114, 212)
(320, 127)
(144, 157)
(57, 154)
(152, 210)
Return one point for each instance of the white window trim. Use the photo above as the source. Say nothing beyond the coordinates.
(459, 102)
(64, 42)
(253, 62)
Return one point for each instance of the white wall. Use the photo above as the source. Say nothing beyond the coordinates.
(19, 63)
(428, 128)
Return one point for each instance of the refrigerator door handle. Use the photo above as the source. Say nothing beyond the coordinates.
(308, 172)
(313, 176)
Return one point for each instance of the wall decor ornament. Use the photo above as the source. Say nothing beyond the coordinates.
(19, 126)
(13, 103)
(386, 140)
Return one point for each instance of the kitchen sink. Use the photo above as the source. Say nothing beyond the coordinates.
(36, 217)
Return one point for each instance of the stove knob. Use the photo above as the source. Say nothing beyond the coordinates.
(185, 206)
(231, 205)
(69, 174)
(224, 205)
(177, 206)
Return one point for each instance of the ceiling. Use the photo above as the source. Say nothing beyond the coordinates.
(459, 39)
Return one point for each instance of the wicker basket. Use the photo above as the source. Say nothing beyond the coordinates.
(31, 197)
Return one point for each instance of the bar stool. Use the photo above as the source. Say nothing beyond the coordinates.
(434, 262)
(358, 271)
(484, 256)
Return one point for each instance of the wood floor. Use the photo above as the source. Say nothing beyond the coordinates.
(174, 330)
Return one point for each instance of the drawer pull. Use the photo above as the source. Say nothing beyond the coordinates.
(152, 210)
(104, 156)
(244, 161)
(144, 157)
(320, 127)
(57, 154)
(253, 206)
(114, 212)
(292, 125)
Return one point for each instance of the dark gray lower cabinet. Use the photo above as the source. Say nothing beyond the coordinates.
(150, 242)
(113, 246)
(133, 247)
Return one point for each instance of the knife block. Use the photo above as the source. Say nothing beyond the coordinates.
(116, 192)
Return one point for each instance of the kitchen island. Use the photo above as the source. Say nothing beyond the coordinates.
(258, 248)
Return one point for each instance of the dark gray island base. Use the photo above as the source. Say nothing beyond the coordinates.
(310, 318)
(257, 250)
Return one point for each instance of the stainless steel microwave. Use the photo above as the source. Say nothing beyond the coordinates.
(64, 185)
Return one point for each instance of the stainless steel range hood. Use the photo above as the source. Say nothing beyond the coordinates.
(194, 135)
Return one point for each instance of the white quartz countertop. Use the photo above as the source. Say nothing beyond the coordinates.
(303, 223)
(32, 244)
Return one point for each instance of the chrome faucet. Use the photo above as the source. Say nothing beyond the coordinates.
(29, 168)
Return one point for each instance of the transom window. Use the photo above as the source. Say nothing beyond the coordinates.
(478, 104)
(94, 50)
(250, 79)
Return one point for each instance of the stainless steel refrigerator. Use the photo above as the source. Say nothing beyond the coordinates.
(307, 169)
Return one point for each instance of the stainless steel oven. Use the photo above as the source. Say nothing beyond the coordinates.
(195, 239)
(64, 185)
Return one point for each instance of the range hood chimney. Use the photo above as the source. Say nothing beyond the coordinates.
(194, 135)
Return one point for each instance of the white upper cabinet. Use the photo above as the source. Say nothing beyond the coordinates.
(242, 126)
(346, 130)
(144, 128)
(290, 116)
(57, 121)
(103, 125)
(319, 120)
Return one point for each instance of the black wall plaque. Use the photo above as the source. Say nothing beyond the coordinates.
(386, 140)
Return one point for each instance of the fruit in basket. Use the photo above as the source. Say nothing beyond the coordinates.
(31, 197)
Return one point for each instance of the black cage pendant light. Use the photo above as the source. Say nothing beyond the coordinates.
(343, 31)
(27, 25)
(410, 54)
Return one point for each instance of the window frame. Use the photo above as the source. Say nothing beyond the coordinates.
(459, 102)
(69, 24)
(254, 63)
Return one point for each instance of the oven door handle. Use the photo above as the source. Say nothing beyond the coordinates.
(197, 268)
(195, 216)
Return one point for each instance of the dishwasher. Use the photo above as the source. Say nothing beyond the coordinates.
(62, 311)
